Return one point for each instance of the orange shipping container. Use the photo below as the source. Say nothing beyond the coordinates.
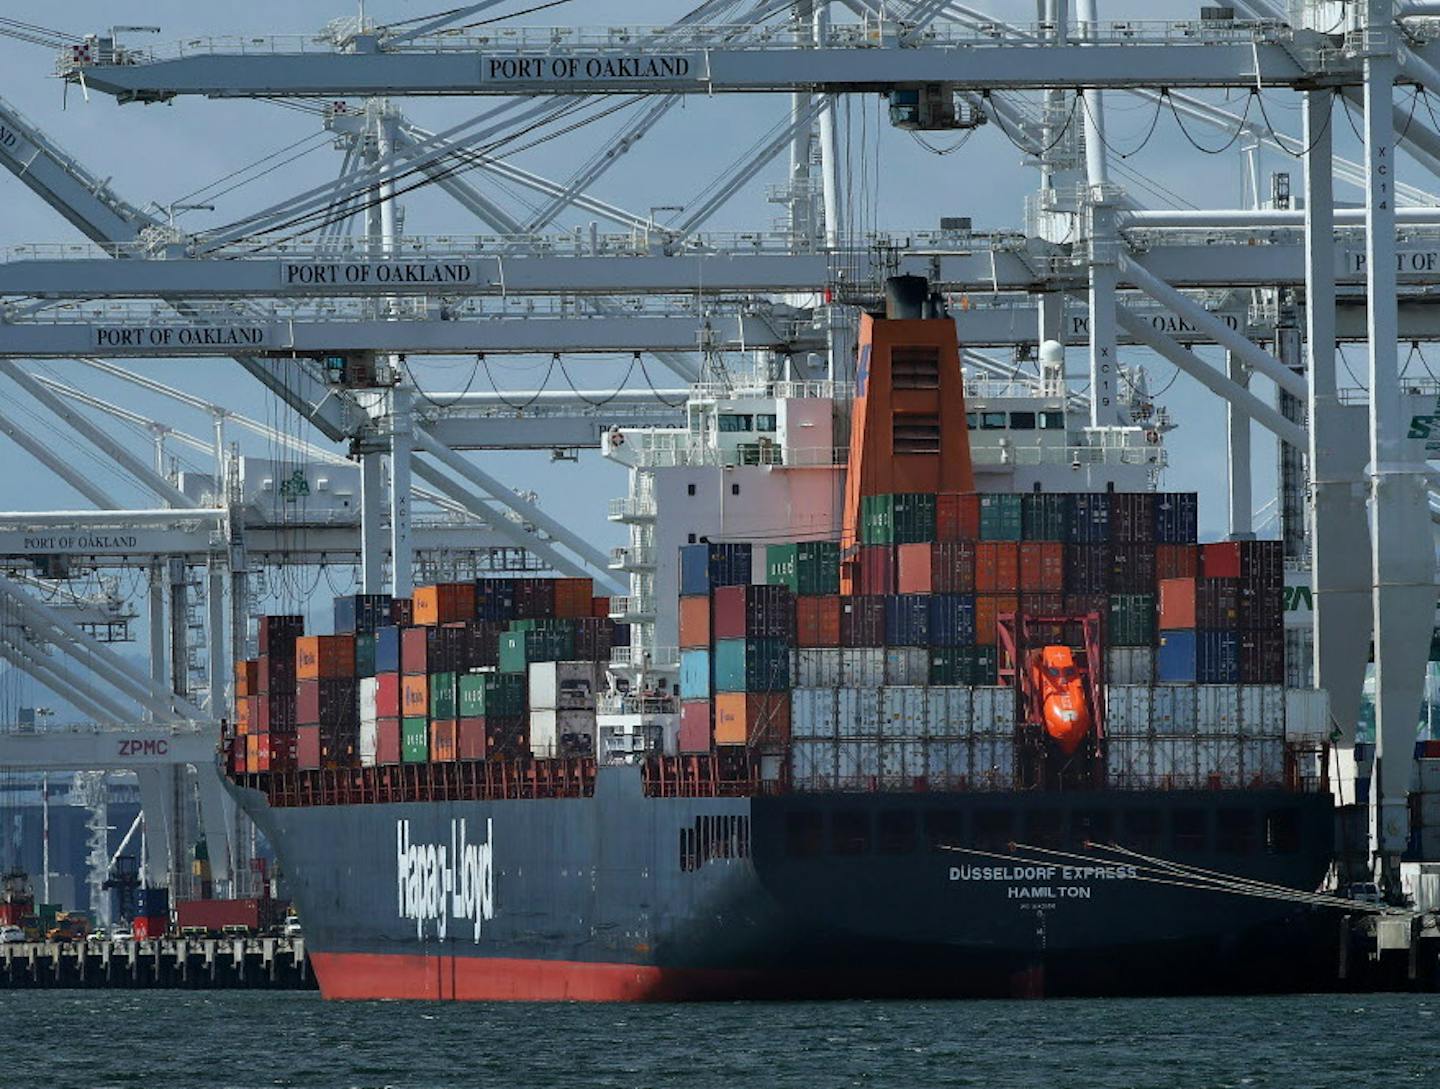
(573, 597)
(988, 608)
(817, 621)
(415, 696)
(694, 622)
(913, 568)
(247, 714)
(444, 603)
(324, 657)
(957, 516)
(1177, 561)
(247, 678)
(997, 567)
(252, 750)
(1177, 603)
(443, 737)
(1042, 566)
(757, 719)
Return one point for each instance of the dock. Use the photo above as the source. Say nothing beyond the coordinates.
(240, 963)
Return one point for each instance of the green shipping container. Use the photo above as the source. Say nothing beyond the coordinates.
(986, 667)
(951, 665)
(751, 665)
(545, 623)
(913, 516)
(415, 740)
(877, 519)
(811, 568)
(364, 654)
(483, 694)
(442, 695)
(1045, 516)
(519, 648)
(1131, 621)
(1001, 517)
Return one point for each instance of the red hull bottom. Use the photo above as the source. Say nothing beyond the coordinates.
(499, 979)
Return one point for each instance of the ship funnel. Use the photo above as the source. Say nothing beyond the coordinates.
(906, 296)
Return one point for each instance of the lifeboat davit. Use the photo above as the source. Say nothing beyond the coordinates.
(1062, 696)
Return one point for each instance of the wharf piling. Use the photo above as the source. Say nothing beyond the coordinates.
(186, 963)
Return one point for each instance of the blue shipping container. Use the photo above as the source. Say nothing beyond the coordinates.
(494, 600)
(1175, 657)
(360, 613)
(695, 674)
(751, 665)
(907, 620)
(1090, 518)
(952, 620)
(1217, 657)
(387, 650)
(730, 564)
(694, 570)
(1177, 518)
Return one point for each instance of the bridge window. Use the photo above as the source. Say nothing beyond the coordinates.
(1052, 421)
(804, 835)
(1282, 831)
(731, 422)
(850, 832)
(896, 832)
(972, 420)
(765, 421)
(1235, 831)
(992, 421)
(1022, 421)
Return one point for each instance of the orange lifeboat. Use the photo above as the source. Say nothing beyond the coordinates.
(1062, 697)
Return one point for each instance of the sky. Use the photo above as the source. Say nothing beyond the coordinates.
(166, 153)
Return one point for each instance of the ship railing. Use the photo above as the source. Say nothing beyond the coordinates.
(1075, 456)
(630, 704)
(698, 452)
(657, 658)
(631, 507)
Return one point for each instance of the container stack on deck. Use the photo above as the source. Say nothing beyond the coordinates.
(491, 669)
(891, 676)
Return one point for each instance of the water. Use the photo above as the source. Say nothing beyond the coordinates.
(159, 1039)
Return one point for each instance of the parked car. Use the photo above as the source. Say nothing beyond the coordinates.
(121, 932)
(293, 928)
(1364, 892)
(11, 935)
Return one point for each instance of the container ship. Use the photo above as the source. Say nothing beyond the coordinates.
(922, 689)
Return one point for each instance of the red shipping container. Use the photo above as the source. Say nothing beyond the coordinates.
(988, 609)
(387, 695)
(573, 597)
(444, 603)
(862, 621)
(146, 927)
(277, 712)
(1177, 561)
(695, 726)
(1044, 604)
(1177, 603)
(997, 567)
(470, 739)
(1220, 560)
(759, 612)
(957, 517)
(415, 651)
(817, 621)
(877, 569)
(443, 740)
(278, 751)
(952, 567)
(327, 703)
(913, 563)
(324, 657)
(600, 607)
(387, 741)
(1042, 566)
(307, 747)
(216, 915)
(277, 674)
(694, 622)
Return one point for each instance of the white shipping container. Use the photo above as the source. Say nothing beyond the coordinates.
(1129, 763)
(812, 765)
(564, 686)
(1250, 714)
(901, 763)
(812, 712)
(947, 763)
(1263, 761)
(816, 667)
(947, 712)
(1129, 665)
(369, 741)
(994, 710)
(1307, 714)
(1217, 710)
(1176, 762)
(907, 665)
(1218, 762)
(862, 667)
(1272, 710)
(857, 712)
(857, 763)
(1127, 710)
(902, 711)
(992, 761)
(548, 727)
(369, 686)
(1173, 709)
